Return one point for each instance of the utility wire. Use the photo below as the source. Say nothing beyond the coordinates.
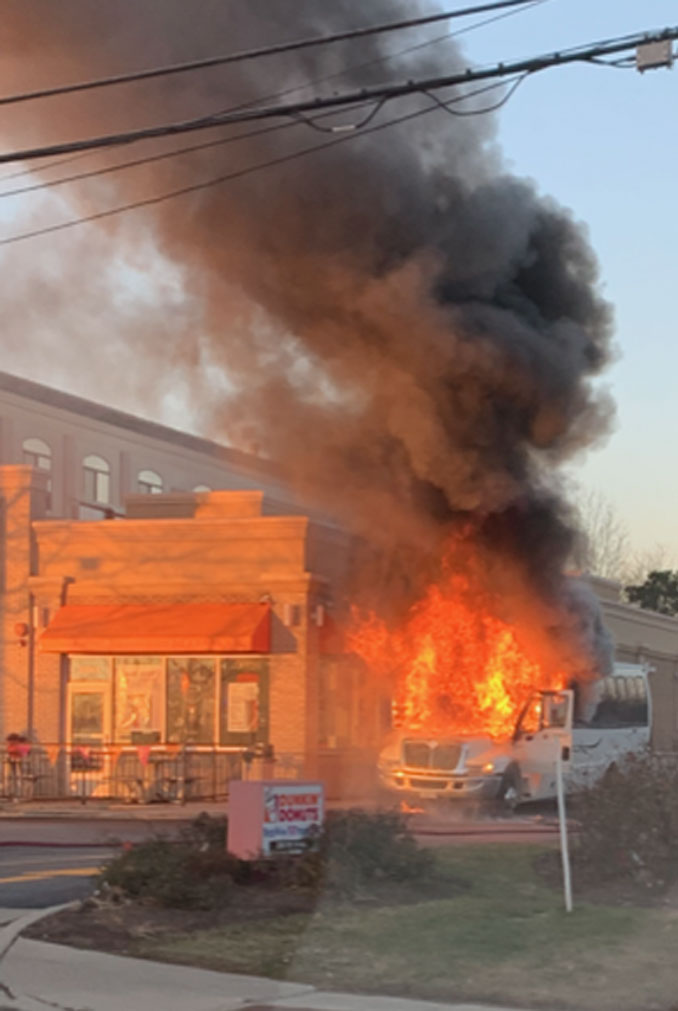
(248, 170)
(384, 92)
(47, 165)
(176, 152)
(478, 112)
(250, 54)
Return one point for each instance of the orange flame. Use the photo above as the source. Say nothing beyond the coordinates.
(455, 667)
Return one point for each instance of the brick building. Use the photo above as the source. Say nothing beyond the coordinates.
(200, 619)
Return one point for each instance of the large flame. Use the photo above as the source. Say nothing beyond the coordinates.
(455, 667)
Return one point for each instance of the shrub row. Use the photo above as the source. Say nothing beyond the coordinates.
(628, 823)
(355, 850)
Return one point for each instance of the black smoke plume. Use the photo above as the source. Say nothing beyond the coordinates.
(408, 329)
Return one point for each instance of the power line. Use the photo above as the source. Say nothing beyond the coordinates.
(376, 93)
(488, 108)
(248, 170)
(46, 165)
(161, 156)
(149, 159)
(250, 54)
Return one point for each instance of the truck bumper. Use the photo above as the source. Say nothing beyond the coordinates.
(454, 788)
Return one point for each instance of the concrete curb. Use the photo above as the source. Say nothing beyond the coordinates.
(13, 930)
(61, 845)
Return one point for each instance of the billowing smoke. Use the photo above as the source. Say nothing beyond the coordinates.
(408, 329)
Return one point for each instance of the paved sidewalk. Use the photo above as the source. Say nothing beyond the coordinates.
(72, 824)
(68, 978)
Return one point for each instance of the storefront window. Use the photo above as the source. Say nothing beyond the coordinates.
(191, 686)
(244, 701)
(90, 668)
(138, 697)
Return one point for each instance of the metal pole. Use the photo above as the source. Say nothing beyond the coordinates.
(562, 820)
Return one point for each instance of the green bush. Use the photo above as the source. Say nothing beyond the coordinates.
(206, 832)
(359, 848)
(628, 823)
(172, 873)
(355, 851)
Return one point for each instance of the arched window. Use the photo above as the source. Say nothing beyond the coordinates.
(149, 483)
(97, 479)
(37, 453)
(202, 487)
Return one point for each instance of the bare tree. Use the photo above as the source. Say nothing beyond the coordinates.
(605, 548)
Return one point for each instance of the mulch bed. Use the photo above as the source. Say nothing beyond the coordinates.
(117, 925)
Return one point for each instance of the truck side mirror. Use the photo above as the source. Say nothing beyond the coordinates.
(565, 753)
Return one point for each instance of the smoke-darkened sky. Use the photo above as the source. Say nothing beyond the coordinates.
(411, 329)
(589, 136)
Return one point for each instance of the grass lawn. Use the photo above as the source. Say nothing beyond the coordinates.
(504, 938)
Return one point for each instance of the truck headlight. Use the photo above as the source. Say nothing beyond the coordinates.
(486, 769)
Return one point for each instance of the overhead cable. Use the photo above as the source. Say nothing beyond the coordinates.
(177, 152)
(251, 54)
(242, 172)
(582, 54)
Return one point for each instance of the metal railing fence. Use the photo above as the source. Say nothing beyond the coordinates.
(142, 774)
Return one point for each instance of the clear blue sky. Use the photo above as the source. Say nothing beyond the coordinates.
(603, 142)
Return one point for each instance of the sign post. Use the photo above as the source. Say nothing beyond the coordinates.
(562, 820)
(270, 817)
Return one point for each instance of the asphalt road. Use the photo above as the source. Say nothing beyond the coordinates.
(32, 877)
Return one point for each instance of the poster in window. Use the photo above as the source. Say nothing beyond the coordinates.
(87, 716)
(243, 716)
(243, 707)
(191, 689)
(138, 695)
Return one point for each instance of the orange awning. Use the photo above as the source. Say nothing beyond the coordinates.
(159, 628)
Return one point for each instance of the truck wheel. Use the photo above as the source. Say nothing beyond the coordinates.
(510, 790)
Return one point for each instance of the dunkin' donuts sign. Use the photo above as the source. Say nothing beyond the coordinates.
(293, 816)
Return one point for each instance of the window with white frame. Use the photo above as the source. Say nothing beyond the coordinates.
(38, 454)
(96, 479)
(149, 483)
(202, 487)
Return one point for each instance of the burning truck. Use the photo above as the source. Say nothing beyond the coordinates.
(522, 767)
(485, 707)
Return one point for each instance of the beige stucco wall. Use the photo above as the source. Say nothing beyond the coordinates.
(645, 637)
(72, 436)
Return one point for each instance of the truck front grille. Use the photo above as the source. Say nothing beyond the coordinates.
(431, 755)
(428, 784)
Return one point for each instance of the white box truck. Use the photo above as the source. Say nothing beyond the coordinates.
(593, 728)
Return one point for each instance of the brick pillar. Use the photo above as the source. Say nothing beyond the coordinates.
(23, 498)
